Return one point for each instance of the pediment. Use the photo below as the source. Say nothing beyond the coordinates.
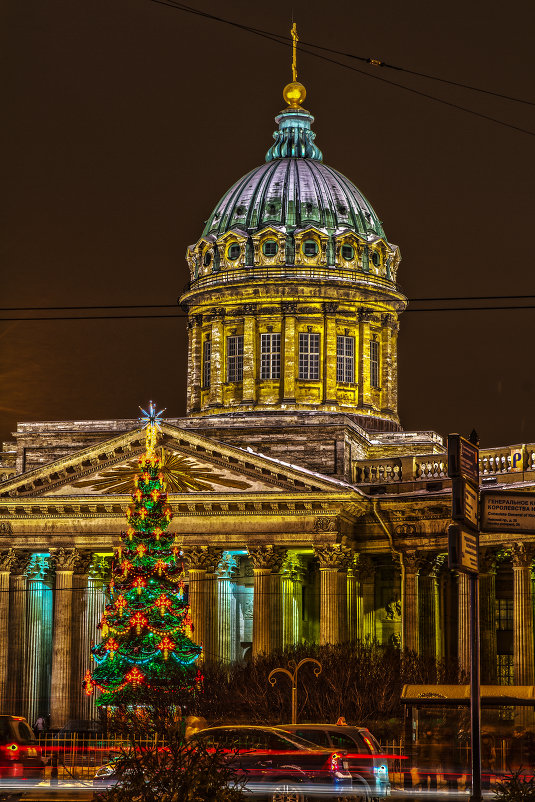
(191, 464)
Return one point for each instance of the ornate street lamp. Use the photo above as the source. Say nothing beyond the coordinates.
(293, 679)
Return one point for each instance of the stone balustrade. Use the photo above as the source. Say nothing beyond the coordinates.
(429, 467)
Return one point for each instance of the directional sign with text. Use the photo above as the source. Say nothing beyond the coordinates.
(465, 503)
(508, 511)
(463, 458)
(463, 549)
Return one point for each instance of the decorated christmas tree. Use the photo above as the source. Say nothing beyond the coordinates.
(146, 627)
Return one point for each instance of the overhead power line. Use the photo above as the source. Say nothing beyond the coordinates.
(434, 299)
(278, 39)
(512, 307)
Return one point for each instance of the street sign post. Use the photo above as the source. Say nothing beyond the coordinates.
(463, 555)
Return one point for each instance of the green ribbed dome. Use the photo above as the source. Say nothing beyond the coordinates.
(294, 189)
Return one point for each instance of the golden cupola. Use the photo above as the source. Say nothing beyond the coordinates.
(292, 300)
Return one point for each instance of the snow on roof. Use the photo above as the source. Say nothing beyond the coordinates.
(300, 469)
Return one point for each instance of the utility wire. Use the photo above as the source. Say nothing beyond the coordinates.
(364, 59)
(178, 316)
(283, 41)
(436, 299)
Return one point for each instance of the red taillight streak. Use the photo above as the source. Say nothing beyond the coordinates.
(376, 757)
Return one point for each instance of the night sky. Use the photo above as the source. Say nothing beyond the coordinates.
(124, 121)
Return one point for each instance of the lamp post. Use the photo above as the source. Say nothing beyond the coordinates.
(293, 679)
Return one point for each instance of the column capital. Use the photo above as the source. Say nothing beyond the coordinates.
(413, 560)
(294, 567)
(227, 565)
(289, 307)
(431, 564)
(334, 557)
(487, 560)
(330, 307)
(64, 559)
(39, 567)
(364, 567)
(7, 560)
(84, 562)
(523, 554)
(267, 557)
(21, 563)
(101, 567)
(201, 558)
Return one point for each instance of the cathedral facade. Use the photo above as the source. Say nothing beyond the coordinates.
(303, 510)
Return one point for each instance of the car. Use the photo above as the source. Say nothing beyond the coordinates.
(279, 764)
(20, 754)
(366, 761)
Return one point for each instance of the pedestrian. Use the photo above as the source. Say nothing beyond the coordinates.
(488, 759)
(428, 758)
(515, 757)
(40, 725)
(449, 760)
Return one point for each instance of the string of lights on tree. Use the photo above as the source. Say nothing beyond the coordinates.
(146, 626)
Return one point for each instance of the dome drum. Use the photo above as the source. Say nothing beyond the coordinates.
(372, 256)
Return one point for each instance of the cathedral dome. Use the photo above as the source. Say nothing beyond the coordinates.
(306, 212)
(289, 193)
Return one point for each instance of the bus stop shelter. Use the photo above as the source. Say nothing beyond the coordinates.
(416, 698)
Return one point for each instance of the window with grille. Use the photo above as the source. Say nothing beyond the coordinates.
(309, 356)
(374, 363)
(345, 359)
(505, 669)
(235, 358)
(270, 356)
(504, 614)
(206, 362)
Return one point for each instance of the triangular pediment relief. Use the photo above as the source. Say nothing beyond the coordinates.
(191, 464)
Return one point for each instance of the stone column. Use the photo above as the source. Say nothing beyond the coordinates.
(226, 606)
(329, 352)
(366, 569)
(250, 349)
(202, 596)
(99, 576)
(7, 560)
(17, 634)
(39, 627)
(265, 560)
(194, 362)
(523, 554)
(463, 622)
(291, 583)
(487, 615)
(217, 368)
(276, 611)
(410, 623)
(364, 358)
(289, 357)
(333, 561)
(354, 603)
(80, 648)
(64, 561)
(429, 608)
(387, 366)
